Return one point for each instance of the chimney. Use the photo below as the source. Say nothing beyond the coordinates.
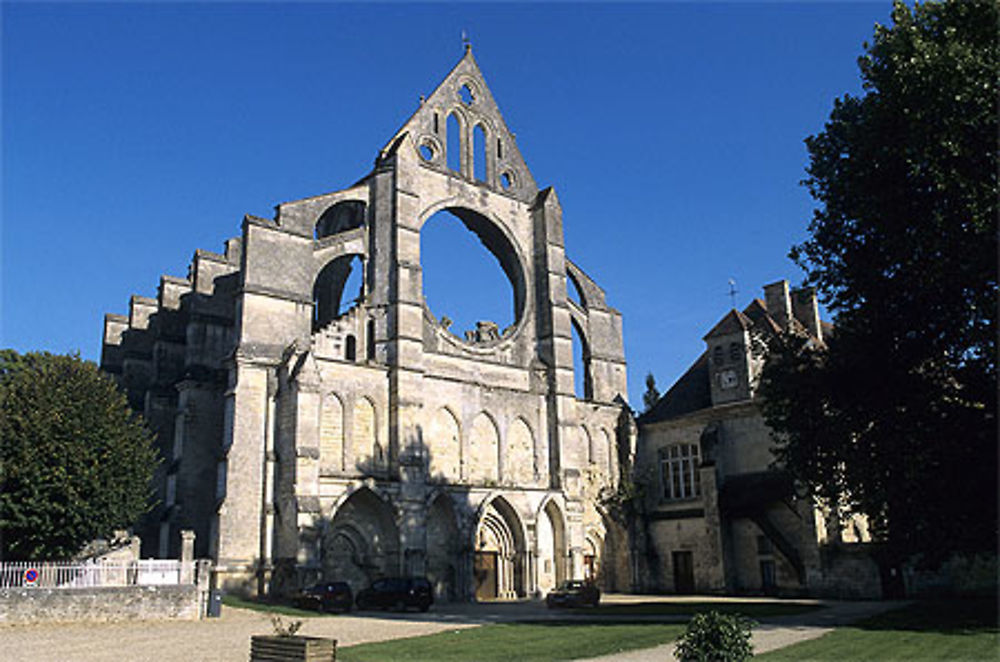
(806, 311)
(779, 304)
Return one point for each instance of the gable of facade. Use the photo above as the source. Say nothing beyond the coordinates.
(308, 434)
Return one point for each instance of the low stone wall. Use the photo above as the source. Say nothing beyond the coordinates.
(847, 573)
(41, 605)
(961, 575)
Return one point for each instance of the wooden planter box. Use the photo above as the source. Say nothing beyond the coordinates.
(271, 648)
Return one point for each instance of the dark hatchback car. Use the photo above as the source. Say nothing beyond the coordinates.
(328, 596)
(397, 593)
(574, 593)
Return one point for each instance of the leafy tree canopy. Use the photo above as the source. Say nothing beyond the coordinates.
(75, 462)
(652, 394)
(898, 412)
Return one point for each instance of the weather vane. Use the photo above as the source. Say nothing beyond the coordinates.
(466, 41)
(732, 291)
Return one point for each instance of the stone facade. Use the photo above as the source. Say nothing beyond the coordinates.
(305, 442)
(719, 517)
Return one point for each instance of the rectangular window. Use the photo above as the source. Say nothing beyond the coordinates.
(679, 472)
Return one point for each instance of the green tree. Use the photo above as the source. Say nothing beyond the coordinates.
(652, 394)
(898, 413)
(75, 462)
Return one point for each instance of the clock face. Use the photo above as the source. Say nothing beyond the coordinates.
(727, 379)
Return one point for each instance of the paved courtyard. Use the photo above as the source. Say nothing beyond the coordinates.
(227, 639)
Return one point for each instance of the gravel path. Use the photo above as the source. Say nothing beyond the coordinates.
(227, 639)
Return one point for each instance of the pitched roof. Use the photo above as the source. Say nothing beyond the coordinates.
(733, 322)
(689, 393)
(757, 312)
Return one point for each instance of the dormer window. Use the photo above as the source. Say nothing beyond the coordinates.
(735, 351)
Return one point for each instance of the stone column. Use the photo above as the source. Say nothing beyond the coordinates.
(187, 557)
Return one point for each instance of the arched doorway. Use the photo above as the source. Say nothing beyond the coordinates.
(362, 542)
(499, 557)
(551, 543)
(443, 549)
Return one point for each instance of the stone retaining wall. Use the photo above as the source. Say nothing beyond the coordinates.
(40, 605)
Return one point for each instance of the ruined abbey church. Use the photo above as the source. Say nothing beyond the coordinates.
(303, 439)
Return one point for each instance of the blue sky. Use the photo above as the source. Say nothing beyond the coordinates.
(133, 134)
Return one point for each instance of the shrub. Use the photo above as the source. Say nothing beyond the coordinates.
(715, 637)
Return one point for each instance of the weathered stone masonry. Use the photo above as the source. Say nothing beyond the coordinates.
(302, 443)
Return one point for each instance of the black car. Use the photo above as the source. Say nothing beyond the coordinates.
(574, 593)
(328, 596)
(397, 593)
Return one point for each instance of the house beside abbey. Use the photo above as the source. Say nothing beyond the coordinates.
(305, 439)
(718, 516)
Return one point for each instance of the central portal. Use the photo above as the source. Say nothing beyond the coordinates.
(498, 562)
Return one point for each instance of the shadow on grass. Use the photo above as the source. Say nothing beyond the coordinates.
(944, 616)
(925, 631)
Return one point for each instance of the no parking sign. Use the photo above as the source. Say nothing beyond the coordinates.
(30, 577)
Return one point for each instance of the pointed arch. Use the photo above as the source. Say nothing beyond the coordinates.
(586, 445)
(331, 434)
(368, 453)
(552, 550)
(582, 379)
(593, 545)
(361, 542)
(480, 166)
(342, 216)
(500, 555)
(443, 444)
(574, 291)
(339, 286)
(484, 450)
(519, 461)
(608, 451)
(455, 141)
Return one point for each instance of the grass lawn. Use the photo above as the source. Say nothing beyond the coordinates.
(931, 631)
(751, 609)
(287, 610)
(520, 642)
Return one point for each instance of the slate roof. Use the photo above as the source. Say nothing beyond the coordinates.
(692, 391)
(733, 322)
(689, 393)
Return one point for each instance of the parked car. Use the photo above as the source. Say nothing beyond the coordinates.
(397, 593)
(574, 593)
(326, 596)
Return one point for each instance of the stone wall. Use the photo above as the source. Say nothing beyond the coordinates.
(131, 603)
(960, 575)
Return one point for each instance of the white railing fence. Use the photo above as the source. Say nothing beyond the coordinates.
(87, 574)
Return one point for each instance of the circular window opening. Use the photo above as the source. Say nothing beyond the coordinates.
(506, 181)
(466, 95)
(426, 152)
(460, 252)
